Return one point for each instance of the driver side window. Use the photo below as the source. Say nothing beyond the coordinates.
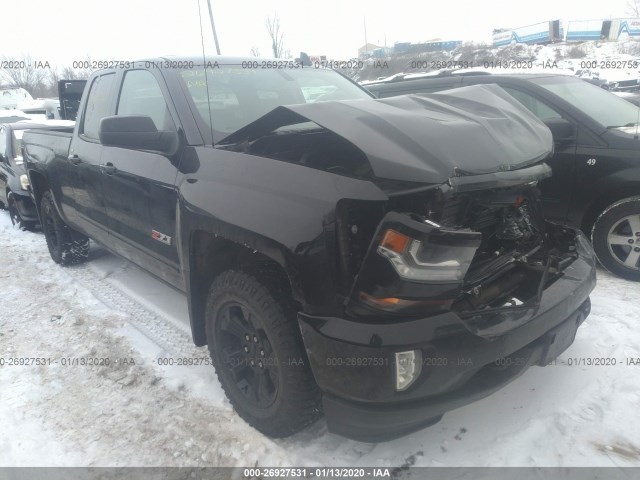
(535, 106)
(141, 95)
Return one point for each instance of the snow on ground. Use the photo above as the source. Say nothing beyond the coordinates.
(138, 413)
(611, 61)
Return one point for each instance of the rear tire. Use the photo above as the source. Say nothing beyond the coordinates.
(257, 350)
(66, 246)
(616, 238)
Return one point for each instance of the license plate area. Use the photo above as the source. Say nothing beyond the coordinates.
(560, 338)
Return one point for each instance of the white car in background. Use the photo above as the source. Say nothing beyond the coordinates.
(41, 108)
(11, 97)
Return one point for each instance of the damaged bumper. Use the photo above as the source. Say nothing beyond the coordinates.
(460, 359)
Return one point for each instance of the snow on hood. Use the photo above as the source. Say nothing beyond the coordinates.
(426, 138)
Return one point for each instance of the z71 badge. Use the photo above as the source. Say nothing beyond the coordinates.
(161, 237)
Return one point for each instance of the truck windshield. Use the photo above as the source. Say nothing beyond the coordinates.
(238, 96)
(604, 107)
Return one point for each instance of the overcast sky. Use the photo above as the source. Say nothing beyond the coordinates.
(65, 30)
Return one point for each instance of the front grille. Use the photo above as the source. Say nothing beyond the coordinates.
(508, 228)
(464, 212)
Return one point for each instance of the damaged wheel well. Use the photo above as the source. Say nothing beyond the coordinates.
(212, 255)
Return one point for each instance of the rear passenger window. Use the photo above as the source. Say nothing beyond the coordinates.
(539, 109)
(97, 105)
(141, 95)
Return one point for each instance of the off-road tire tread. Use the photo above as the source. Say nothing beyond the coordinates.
(72, 247)
(300, 403)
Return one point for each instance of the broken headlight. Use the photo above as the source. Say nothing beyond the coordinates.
(413, 266)
(438, 258)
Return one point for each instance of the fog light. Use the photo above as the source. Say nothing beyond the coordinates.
(408, 367)
(24, 182)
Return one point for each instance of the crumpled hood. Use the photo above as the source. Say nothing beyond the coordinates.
(427, 138)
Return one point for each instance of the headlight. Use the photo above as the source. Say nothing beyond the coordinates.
(413, 266)
(435, 261)
(24, 182)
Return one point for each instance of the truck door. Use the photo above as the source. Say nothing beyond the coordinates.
(142, 198)
(84, 159)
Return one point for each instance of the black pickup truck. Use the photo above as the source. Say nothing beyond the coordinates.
(381, 261)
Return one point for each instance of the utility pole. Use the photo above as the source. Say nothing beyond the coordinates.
(366, 47)
(213, 27)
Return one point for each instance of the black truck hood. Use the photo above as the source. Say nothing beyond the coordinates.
(426, 138)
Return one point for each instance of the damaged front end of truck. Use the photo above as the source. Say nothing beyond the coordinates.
(454, 284)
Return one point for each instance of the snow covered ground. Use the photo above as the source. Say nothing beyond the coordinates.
(610, 61)
(134, 412)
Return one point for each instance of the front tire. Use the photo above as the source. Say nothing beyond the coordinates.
(257, 351)
(616, 238)
(66, 246)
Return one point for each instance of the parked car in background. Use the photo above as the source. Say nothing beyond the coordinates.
(339, 254)
(14, 183)
(596, 164)
(41, 108)
(10, 97)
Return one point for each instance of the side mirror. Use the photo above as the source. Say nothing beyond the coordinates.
(562, 130)
(137, 132)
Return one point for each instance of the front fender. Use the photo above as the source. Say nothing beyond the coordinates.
(282, 210)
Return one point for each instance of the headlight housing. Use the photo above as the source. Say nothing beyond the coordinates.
(433, 261)
(24, 182)
(413, 266)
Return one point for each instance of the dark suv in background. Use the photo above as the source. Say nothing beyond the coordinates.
(15, 191)
(596, 164)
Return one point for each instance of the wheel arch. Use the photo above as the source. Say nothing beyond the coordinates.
(39, 185)
(605, 200)
(211, 254)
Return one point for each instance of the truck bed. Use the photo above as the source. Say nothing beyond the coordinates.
(44, 145)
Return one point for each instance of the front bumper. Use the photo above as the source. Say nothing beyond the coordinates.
(353, 362)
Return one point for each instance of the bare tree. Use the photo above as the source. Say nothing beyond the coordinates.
(24, 73)
(273, 28)
(633, 8)
(255, 52)
(70, 73)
